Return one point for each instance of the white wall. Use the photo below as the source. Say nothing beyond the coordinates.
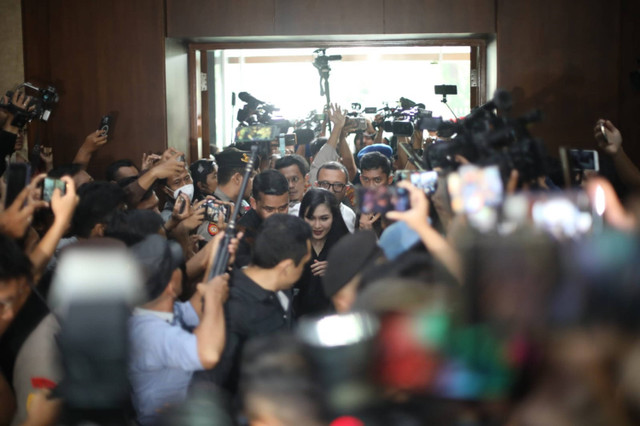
(177, 91)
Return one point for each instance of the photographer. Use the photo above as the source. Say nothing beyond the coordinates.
(205, 178)
(9, 132)
(610, 143)
(375, 171)
(155, 170)
(121, 169)
(336, 148)
(164, 352)
(27, 347)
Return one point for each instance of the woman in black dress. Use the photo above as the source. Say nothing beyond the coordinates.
(321, 210)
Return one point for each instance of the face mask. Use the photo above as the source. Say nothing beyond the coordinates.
(186, 189)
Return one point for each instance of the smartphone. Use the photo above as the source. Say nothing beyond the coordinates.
(106, 124)
(425, 180)
(566, 214)
(584, 159)
(383, 199)
(472, 188)
(182, 202)
(18, 176)
(213, 211)
(257, 133)
(361, 123)
(49, 185)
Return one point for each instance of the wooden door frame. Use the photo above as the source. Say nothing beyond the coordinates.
(478, 59)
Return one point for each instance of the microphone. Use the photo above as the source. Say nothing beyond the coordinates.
(233, 98)
(246, 97)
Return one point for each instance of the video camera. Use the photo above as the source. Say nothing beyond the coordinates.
(312, 121)
(402, 120)
(258, 112)
(321, 60)
(39, 107)
(484, 137)
(258, 125)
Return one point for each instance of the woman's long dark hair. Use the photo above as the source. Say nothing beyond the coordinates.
(317, 196)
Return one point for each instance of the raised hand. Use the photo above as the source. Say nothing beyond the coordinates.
(15, 220)
(318, 268)
(611, 140)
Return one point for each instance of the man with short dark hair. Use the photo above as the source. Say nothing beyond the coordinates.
(98, 202)
(296, 170)
(121, 169)
(333, 177)
(170, 340)
(27, 344)
(259, 299)
(375, 170)
(270, 195)
(205, 178)
(231, 168)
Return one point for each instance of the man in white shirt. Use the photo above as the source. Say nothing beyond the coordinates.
(333, 176)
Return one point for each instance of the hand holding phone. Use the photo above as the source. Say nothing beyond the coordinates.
(17, 217)
(106, 125)
(64, 201)
(416, 217)
(50, 184)
(383, 199)
(18, 177)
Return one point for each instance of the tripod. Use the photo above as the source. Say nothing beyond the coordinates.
(444, 101)
(321, 62)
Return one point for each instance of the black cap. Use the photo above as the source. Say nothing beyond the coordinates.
(232, 158)
(201, 169)
(158, 258)
(348, 257)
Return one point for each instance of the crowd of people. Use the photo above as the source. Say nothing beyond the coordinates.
(326, 314)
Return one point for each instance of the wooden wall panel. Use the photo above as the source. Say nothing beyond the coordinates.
(437, 16)
(37, 64)
(212, 18)
(105, 59)
(318, 17)
(563, 59)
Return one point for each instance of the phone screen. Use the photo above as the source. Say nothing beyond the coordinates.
(383, 199)
(214, 210)
(473, 188)
(258, 133)
(18, 176)
(49, 185)
(584, 159)
(427, 181)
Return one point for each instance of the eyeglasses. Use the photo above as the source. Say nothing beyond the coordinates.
(336, 187)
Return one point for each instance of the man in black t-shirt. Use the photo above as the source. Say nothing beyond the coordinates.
(270, 195)
(259, 297)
